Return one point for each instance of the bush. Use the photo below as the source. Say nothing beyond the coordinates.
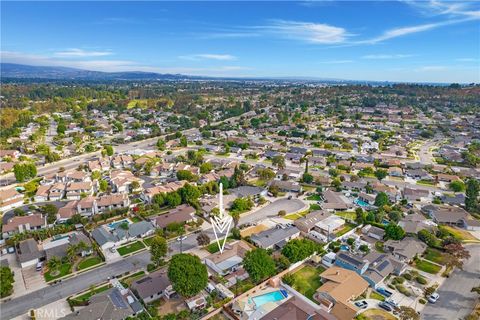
(421, 280)
(399, 280)
(151, 267)
(403, 290)
(407, 276)
(288, 279)
(422, 301)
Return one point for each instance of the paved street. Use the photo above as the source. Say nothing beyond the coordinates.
(70, 286)
(456, 301)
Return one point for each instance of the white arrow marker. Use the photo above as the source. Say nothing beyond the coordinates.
(221, 223)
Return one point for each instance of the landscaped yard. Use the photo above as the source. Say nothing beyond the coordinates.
(314, 197)
(213, 247)
(132, 247)
(295, 216)
(148, 241)
(376, 314)
(135, 219)
(347, 215)
(347, 227)
(307, 280)
(314, 207)
(459, 234)
(65, 268)
(426, 266)
(89, 293)
(88, 262)
(435, 255)
(376, 296)
(127, 281)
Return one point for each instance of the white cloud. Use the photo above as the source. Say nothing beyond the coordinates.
(75, 52)
(318, 33)
(386, 56)
(448, 8)
(209, 56)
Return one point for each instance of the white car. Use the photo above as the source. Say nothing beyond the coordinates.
(433, 298)
(181, 238)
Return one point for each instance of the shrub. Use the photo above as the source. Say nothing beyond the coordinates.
(407, 276)
(399, 280)
(403, 290)
(288, 279)
(151, 267)
(421, 280)
(422, 301)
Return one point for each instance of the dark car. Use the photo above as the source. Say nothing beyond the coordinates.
(361, 304)
(385, 306)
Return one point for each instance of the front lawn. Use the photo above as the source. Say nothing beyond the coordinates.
(376, 296)
(65, 268)
(459, 234)
(295, 216)
(132, 247)
(135, 219)
(347, 227)
(213, 247)
(307, 280)
(89, 293)
(89, 262)
(314, 197)
(314, 207)
(426, 266)
(435, 255)
(127, 281)
(376, 314)
(148, 241)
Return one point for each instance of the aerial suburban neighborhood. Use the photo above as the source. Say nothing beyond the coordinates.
(142, 195)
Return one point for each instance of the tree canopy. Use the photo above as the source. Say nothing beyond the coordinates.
(259, 264)
(188, 274)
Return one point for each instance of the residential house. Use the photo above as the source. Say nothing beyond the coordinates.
(58, 247)
(19, 224)
(339, 289)
(275, 238)
(287, 186)
(308, 222)
(67, 212)
(412, 194)
(373, 232)
(56, 192)
(75, 190)
(148, 193)
(87, 206)
(28, 253)
(406, 249)
(108, 237)
(230, 260)
(121, 181)
(112, 201)
(415, 222)
(335, 201)
(395, 172)
(182, 214)
(152, 287)
(297, 309)
(448, 215)
(10, 199)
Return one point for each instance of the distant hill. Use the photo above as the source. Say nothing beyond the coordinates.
(12, 70)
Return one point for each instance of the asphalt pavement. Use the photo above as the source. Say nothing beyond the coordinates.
(456, 301)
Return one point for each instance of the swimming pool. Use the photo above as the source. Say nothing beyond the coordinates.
(273, 296)
(344, 247)
(114, 225)
(361, 203)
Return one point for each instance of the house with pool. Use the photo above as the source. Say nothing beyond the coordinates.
(230, 260)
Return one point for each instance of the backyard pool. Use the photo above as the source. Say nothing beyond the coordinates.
(385, 222)
(273, 296)
(361, 203)
(114, 225)
(344, 247)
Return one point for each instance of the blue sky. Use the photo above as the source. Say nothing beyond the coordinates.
(428, 41)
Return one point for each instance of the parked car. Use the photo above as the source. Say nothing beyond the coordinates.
(11, 250)
(385, 306)
(433, 297)
(392, 303)
(39, 266)
(384, 292)
(361, 304)
(181, 238)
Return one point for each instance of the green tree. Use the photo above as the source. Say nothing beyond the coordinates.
(24, 171)
(259, 265)
(186, 175)
(457, 186)
(173, 199)
(109, 150)
(54, 264)
(394, 232)
(381, 174)
(158, 249)
(6, 281)
(51, 212)
(103, 185)
(206, 167)
(381, 199)
(471, 195)
(266, 173)
(203, 239)
(427, 237)
(189, 194)
(161, 144)
(279, 161)
(241, 205)
(188, 274)
(183, 141)
(307, 178)
(299, 249)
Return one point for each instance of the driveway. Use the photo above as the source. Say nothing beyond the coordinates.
(456, 301)
(271, 210)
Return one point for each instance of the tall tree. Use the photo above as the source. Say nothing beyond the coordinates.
(6, 281)
(456, 255)
(158, 249)
(188, 274)
(471, 195)
(203, 239)
(259, 264)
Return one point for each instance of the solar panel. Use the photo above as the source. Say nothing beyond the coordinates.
(350, 259)
(383, 265)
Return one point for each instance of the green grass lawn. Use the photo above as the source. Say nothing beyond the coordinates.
(314, 197)
(435, 255)
(242, 286)
(135, 219)
(89, 293)
(127, 281)
(461, 235)
(89, 262)
(213, 247)
(148, 241)
(426, 266)
(347, 215)
(295, 216)
(375, 314)
(376, 296)
(132, 247)
(379, 246)
(64, 269)
(347, 227)
(314, 207)
(307, 280)
(426, 182)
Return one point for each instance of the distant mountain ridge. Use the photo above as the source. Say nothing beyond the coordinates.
(13, 70)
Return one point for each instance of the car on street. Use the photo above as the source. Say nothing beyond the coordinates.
(433, 297)
(384, 292)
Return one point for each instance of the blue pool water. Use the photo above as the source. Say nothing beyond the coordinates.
(113, 225)
(361, 203)
(344, 247)
(385, 222)
(268, 297)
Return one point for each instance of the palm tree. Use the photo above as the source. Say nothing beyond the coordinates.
(71, 252)
(82, 246)
(54, 263)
